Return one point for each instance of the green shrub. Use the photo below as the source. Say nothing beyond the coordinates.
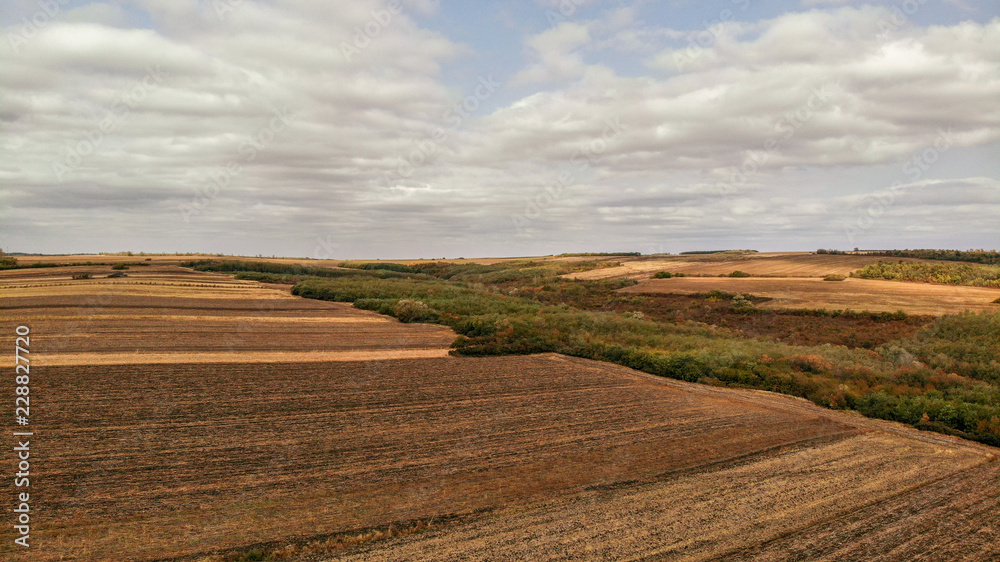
(973, 256)
(739, 273)
(408, 310)
(716, 295)
(387, 266)
(662, 275)
(119, 266)
(834, 277)
(967, 344)
(951, 273)
(234, 266)
(742, 303)
(7, 262)
(267, 277)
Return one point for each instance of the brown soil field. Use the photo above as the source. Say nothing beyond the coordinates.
(208, 414)
(764, 264)
(856, 294)
(863, 498)
(168, 314)
(183, 459)
(149, 281)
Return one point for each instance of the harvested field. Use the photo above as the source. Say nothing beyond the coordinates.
(177, 459)
(855, 294)
(191, 462)
(215, 415)
(867, 497)
(765, 264)
(167, 314)
(149, 281)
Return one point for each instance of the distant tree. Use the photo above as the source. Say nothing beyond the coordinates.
(7, 262)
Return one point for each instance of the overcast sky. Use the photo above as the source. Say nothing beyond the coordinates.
(418, 128)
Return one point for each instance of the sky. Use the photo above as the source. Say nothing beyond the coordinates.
(424, 128)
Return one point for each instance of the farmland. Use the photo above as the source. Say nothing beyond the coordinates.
(857, 294)
(326, 447)
(867, 497)
(168, 461)
(306, 429)
(794, 280)
(209, 318)
(764, 264)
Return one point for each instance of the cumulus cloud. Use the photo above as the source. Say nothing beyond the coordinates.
(557, 52)
(297, 127)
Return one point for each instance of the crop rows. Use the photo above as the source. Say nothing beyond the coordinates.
(867, 497)
(255, 452)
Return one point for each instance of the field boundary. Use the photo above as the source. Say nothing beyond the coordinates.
(228, 357)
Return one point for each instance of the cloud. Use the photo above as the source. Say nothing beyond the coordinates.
(556, 51)
(269, 126)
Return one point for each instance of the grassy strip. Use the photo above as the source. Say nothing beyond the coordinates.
(950, 273)
(973, 256)
(387, 266)
(42, 265)
(269, 272)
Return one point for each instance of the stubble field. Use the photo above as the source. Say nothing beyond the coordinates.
(168, 314)
(795, 280)
(856, 294)
(763, 264)
(149, 449)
